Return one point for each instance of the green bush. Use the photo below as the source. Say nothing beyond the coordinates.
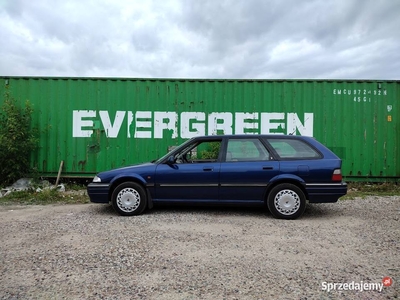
(212, 151)
(17, 140)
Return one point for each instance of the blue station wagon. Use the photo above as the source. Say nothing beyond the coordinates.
(280, 172)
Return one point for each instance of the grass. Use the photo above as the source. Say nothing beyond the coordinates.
(76, 194)
(72, 195)
(362, 190)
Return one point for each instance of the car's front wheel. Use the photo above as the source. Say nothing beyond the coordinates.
(129, 199)
(286, 201)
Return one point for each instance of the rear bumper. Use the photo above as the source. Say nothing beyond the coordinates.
(325, 192)
(98, 192)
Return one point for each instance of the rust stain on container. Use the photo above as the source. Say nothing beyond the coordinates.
(82, 164)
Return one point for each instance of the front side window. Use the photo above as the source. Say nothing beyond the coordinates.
(201, 152)
(246, 150)
(293, 149)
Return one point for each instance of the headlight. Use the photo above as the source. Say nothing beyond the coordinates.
(96, 179)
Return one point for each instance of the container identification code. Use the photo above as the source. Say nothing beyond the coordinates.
(360, 95)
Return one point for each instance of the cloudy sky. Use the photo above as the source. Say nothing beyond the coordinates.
(241, 39)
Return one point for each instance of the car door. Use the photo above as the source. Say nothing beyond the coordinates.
(191, 174)
(246, 170)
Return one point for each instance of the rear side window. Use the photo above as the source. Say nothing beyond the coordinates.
(246, 150)
(293, 149)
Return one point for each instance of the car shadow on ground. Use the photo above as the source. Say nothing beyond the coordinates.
(189, 209)
(211, 210)
(313, 211)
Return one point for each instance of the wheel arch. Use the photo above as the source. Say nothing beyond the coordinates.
(117, 181)
(293, 180)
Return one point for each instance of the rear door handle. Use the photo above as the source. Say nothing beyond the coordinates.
(268, 168)
(207, 169)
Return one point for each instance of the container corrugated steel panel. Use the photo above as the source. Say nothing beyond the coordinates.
(95, 124)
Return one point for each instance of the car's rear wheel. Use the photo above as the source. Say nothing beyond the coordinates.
(129, 199)
(286, 201)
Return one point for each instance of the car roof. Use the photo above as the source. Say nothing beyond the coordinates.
(253, 136)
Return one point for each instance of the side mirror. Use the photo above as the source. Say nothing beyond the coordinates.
(171, 160)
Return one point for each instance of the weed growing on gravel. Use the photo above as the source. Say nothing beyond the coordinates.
(46, 196)
(362, 190)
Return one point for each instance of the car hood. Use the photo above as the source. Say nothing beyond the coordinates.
(138, 169)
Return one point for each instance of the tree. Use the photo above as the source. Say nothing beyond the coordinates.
(17, 140)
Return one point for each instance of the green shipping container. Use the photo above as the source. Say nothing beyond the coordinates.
(94, 124)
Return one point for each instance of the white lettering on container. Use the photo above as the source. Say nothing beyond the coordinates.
(112, 130)
(164, 120)
(78, 124)
(219, 123)
(245, 123)
(161, 124)
(191, 129)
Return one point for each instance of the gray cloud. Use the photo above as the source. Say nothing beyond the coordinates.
(332, 39)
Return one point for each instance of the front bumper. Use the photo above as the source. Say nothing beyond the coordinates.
(98, 192)
(325, 192)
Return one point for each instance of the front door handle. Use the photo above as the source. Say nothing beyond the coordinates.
(207, 169)
(268, 168)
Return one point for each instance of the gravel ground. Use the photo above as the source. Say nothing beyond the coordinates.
(89, 252)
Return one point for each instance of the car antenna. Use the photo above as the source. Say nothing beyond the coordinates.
(293, 132)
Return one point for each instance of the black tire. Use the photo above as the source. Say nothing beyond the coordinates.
(286, 201)
(129, 199)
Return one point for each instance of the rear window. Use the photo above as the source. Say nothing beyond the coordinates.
(293, 149)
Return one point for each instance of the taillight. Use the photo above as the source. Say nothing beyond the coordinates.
(337, 175)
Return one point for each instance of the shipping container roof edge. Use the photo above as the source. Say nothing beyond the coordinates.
(196, 79)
